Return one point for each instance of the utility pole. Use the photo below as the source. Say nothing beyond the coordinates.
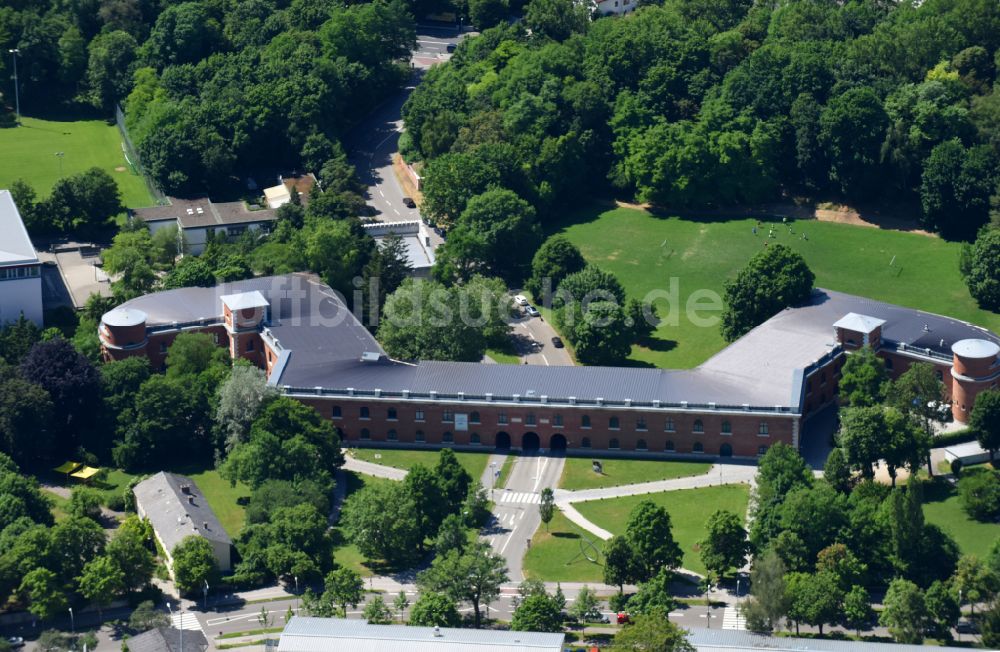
(17, 91)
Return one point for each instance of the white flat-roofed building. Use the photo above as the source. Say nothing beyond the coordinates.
(199, 220)
(304, 634)
(20, 269)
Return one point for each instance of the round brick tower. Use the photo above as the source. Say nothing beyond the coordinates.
(974, 369)
(123, 333)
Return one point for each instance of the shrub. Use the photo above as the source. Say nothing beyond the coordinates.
(980, 494)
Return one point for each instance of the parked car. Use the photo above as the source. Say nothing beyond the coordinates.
(15, 642)
(557, 342)
(409, 203)
(521, 300)
(450, 47)
(623, 618)
(531, 310)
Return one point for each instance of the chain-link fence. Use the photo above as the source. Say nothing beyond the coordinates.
(133, 160)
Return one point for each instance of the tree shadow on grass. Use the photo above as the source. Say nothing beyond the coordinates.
(565, 535)
(657, 344)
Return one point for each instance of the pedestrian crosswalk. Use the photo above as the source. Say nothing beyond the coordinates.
(733, 619)
(529, 497)
(185, 620)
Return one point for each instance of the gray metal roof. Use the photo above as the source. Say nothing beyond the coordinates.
(976, 348)
(731, 640)
(322, 345)
(304, 634)
(202, 212)
(15, 245)
(174, 514)
(167, 639)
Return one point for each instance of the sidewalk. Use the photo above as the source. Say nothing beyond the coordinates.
(369, 468)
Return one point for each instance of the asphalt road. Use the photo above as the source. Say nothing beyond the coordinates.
(533, 341)
(515, 513)
(377, 138)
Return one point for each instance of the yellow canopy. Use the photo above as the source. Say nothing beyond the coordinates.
(86, 473)
(68, 467)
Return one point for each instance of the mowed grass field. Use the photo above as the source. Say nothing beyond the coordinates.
(474, 463)
(943, 508)
(557, 554)
(645, 251)
(689, 510)
(29, 153)
(578, 472)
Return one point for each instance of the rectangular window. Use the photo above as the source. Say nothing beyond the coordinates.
(557, 420)
(669, 425)
(530, 420)
(418, 415)
(163, 347)
(250, 344)
(762, 431)
(640, 424)
(502, 418)
(448, 417)
(391, 415)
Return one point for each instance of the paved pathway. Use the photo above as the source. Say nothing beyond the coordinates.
(370, 468)
(719, 474)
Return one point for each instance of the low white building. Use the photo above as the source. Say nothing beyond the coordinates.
(304, 634)
(177, 509)
(418, 238)
(20, 269)
(197, 220)
(281, 194)
(614, 7)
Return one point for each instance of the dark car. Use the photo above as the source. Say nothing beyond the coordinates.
(450, 47)
(557, 342)
(409, 203)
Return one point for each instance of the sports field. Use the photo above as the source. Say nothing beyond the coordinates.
(646, 251)
(29, 153)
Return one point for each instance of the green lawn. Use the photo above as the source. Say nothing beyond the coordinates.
(943, 508)
(555, 555)
(689, 509)
(29, 153)
(646, 251)
(578, 473)
(474, 463)
(222, 498)
(503, 357)
(58, 505)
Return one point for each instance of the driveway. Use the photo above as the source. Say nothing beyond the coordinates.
(533, 341)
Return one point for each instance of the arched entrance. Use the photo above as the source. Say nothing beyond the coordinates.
(725, 450)
(502, 441)
(557, 443)
(530, 442)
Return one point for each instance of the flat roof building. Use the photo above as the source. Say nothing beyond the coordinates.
(417, 238)
(176, 509)
(304, 634)
(20, 269)
(731, 640)
(201, 219)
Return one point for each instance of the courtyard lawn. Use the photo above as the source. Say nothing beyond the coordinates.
(578, 473)
(647, 251)
(29, 153)
(503, 357)
(943, 508)
(555, 555)
(474, 463)
(689, 510)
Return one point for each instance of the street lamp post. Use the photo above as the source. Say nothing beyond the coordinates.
(205, 591)
(60, 155)
(17, 91)
(72, 620)
(296, 593)
(180, 624)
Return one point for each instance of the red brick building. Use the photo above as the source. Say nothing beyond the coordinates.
(759, 390)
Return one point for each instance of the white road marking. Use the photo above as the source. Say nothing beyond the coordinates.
(432, 42)
(544, 359)
(541, 470)
(185, 620)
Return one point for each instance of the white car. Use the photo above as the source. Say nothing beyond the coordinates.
(531, 310)
(521, 300)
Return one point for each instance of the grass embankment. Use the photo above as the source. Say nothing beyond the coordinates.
(578, 473)
(29, 153)
(647, 251)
